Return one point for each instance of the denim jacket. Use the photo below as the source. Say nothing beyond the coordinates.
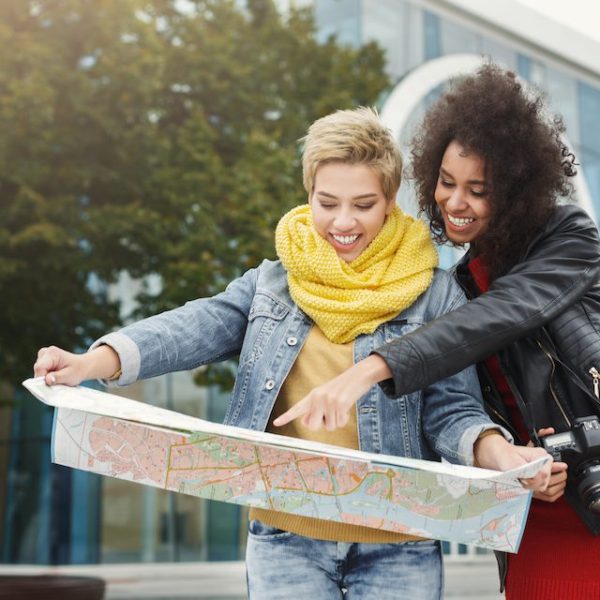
(256, 318)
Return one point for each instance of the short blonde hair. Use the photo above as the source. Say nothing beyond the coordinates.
(354, 136)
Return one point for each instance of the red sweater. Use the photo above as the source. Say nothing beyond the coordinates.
(559, 559)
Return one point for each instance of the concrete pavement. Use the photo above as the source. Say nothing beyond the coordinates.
(469, 578)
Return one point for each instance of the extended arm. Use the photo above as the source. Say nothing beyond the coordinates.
(559, 267)
(202, 331)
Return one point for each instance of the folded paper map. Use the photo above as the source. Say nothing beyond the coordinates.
(111, 435)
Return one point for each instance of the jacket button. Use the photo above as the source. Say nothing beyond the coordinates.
(292, 341)
(270, 384)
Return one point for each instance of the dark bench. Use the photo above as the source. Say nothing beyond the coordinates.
(51, 587)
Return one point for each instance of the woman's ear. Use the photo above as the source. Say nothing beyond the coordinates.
(391, 203)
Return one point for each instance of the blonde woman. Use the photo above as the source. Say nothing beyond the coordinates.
(353, 273)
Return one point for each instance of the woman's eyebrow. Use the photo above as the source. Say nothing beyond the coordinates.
(326, 194)
(358, 197)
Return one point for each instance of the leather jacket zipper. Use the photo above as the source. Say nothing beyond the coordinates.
(596, 381)
(552, 391)
(500, 417)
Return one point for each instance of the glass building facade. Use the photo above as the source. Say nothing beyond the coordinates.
(54, 515)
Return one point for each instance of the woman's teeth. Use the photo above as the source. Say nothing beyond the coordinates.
(345, 240)
(459, 221)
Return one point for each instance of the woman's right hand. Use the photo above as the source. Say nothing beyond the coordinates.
(329, 404)
(558, 476)
(59, 366)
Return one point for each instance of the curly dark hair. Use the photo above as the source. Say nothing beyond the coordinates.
(527, 165)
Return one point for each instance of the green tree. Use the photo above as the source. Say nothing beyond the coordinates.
(136, 136)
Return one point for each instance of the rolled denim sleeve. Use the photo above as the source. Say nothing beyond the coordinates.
(471, 435)
(129, 357)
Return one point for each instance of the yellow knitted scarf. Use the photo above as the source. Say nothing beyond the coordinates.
(347, 299)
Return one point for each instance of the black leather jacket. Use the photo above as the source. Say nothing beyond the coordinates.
(556, 271)
(542, 315)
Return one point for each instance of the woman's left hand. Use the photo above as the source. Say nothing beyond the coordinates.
(494, 452)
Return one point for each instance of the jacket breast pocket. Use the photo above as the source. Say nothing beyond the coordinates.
(266, 313)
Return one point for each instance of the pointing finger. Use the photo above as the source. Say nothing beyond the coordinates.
(293, 413)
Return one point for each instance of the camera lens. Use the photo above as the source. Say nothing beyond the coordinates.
(588, 487)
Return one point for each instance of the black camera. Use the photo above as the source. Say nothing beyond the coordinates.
(580, 449)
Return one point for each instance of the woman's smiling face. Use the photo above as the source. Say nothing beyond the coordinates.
(348, 207)
(463, 195)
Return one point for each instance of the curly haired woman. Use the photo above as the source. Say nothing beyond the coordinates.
(490, 167)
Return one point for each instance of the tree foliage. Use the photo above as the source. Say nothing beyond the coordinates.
(140, 137)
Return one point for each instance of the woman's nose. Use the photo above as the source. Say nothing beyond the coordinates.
(456, 201)
(344, 220)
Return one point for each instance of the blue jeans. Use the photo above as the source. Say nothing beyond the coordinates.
(282, 565)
